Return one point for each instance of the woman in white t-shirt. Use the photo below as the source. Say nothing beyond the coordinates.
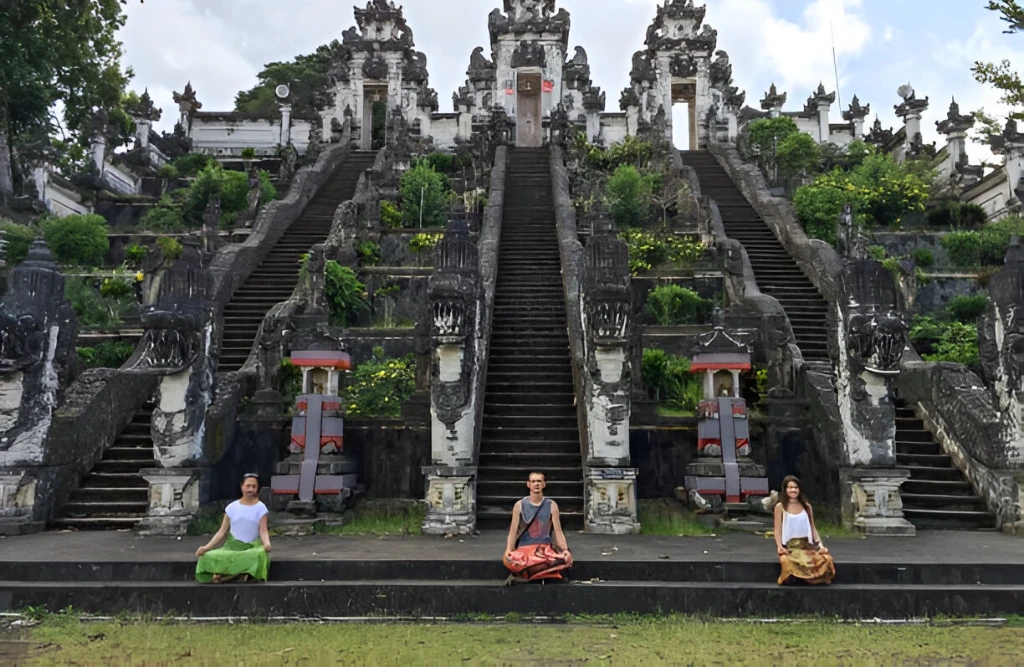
(246, 554)
(801, 554)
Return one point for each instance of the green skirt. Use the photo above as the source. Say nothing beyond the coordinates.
(233, 559)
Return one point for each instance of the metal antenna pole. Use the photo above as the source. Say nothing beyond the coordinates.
(835, 64)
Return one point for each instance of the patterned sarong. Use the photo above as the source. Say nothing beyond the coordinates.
(534, 562)
(233, 559)
(806, 564)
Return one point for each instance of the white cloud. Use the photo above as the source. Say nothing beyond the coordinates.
(890, 33)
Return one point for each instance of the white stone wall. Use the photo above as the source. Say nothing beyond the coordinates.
(226, 137)
(444, 131)
(992, 194)
(613, 128)
(120, 180)
(62, 202)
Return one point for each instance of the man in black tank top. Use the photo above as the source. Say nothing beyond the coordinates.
(536, 547)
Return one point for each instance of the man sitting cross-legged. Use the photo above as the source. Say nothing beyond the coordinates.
(529, 552)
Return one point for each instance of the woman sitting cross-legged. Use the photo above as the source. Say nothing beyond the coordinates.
(802, 555)
(245, 555)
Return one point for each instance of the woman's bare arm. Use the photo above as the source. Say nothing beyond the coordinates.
(218, 537)
(265, 534)
(780, 547)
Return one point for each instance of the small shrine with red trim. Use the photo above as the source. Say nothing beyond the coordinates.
(723, 469)
(317, 475)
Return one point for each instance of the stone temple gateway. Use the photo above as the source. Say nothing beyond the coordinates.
(529, 325)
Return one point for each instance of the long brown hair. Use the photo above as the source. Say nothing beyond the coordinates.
(784, 497)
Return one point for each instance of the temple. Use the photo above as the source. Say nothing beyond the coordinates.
(387, 301)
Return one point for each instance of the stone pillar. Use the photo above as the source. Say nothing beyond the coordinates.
(871, 340)
(456, 302)
(910, 111)
(99, 152)
(286, 124)
(173, 500)
(702, 101)
(38, 330)
(1013, 148)
(41, 178)
(872, 501)
(855, 115)
(610, 482)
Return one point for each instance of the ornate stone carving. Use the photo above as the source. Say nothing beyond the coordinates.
(175, 323)
(606, 276)
(856, 112)
(529, 54)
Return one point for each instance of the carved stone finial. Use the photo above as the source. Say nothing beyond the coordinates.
(856, 111)
(955, 122)
(773, 100)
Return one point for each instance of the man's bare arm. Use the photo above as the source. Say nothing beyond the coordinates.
(513, 530)
(556, 523)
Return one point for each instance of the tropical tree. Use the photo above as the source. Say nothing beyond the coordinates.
(1002, 76)
(54, 51)
(308, 77)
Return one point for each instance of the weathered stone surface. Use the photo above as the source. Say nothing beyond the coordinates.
(872, 502)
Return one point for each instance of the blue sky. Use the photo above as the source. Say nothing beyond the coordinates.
(220, 45)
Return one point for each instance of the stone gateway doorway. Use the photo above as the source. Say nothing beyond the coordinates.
(375, 112)
(529, 128)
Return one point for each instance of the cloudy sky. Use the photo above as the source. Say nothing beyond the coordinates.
(220, 45)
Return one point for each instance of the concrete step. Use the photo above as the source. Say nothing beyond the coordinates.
(97, 523)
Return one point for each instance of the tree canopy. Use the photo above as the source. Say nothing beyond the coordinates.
(54, 52)
(308, 76)
(1002, 76)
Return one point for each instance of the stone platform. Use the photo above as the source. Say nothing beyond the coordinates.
(730, 576)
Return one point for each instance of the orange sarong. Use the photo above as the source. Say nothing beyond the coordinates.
(806, 564)
(537, 561)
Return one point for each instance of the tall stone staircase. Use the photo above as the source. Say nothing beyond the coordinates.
(275, 278)
(777, 273)
(114, 494)
(937, 495)
(529, 421)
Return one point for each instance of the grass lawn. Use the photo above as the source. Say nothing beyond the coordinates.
(670, 640)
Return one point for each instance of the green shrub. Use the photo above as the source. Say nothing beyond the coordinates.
(80, 240)
(192, 164)
(421, 243)
(877, 253)
(881, 192)
(390, 216)
(958, 344)
(171, 249)
(944, 340)
(967, 309)
(346, 296)
(108, 354)
(649, 250)
(442, 163)
(135, 254)
(671, 304)
(117, 288)
(289, 381)
(765, 132)
(954, 214)
(923, 258)
(963, 248)
(93, 309)
(368, 251)
(17, 241)
(422, 184)
(995, 239)
(668, 377)
(632, 151)
(166, 216)
(629, 197)
(380, 386)
(798, 153)
(168, 171)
